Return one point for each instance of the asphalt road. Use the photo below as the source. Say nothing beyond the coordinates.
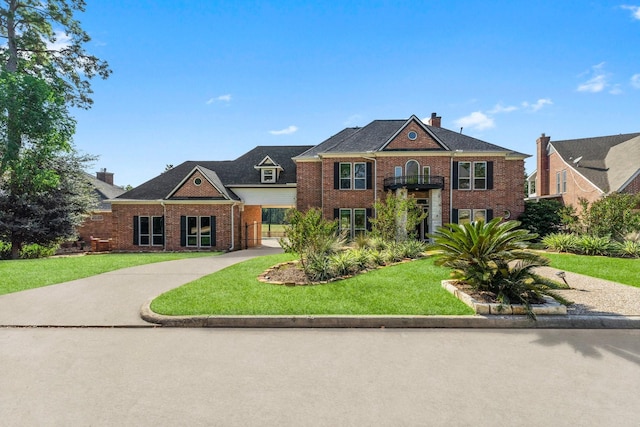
(311, 377)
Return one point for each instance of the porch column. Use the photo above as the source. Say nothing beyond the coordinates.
(435, 206)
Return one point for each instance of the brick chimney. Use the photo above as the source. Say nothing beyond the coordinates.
(105, 176)
(542, 178)
(434, 120)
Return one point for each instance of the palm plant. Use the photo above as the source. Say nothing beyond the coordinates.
(492, 257)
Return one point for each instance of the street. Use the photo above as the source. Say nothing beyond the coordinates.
(329, 377)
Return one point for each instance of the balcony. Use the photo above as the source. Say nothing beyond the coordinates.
(414, 182)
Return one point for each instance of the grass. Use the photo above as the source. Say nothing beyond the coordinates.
(20, 275)
(405, 289)
(621, 270)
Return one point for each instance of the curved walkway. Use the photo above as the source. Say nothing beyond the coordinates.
(113, 298)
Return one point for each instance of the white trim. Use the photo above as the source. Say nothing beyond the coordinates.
(422, 125)
(188, 176)
(573, 169)
(629, 181)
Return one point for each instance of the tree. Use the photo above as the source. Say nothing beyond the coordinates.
(396, 218)
(30, 213)
(541, 217)
(615, 215)
(44, 46)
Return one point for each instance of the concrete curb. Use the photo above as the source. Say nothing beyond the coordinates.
(330, 321)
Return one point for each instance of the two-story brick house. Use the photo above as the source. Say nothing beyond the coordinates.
(454, 177)
(586, 168)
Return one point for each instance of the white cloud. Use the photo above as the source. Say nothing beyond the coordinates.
(222, 98)
(615, 90)
(598, 82)
(476, 120)
(538, 105)
(635, 81)
(63, 40)
(635, 11)
(285, 131)
(500, 109)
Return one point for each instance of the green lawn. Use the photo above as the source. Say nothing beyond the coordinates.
(20, 275)
(410, 289)
(621, 270)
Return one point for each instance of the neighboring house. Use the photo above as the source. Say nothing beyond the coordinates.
(454, 177)
(98, 223)
(588, 168)
(212, 205)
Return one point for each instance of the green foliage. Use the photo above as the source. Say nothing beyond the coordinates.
(629, 248)
(35, 251)
(396, 218)
(492, 258)
(593, 245)
(615, 215)
(313, 239)
(542, 217)
(561, 242)
(343, 263)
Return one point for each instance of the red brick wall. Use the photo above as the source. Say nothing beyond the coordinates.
(309, 185)
(122, 232)
(97, 224)
(252, 235)
(633, 187)
(423, 141)
(577, 186)
(190, 189)
(507, 193)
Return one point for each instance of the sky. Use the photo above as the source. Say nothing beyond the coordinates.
(210, 80)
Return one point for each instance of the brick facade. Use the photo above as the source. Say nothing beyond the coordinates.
(309, 177)
(633, 187)
(190, 189)
(97, 225)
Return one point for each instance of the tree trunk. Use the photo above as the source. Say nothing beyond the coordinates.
(15, 249)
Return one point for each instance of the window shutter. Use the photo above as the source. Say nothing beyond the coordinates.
(369, 215)
(336, 213)
(183, 230)
(213, 231)
(336, 175)
(454, 216)
(136, 233)
(489, 175)
(489, 214)
(454, 183)
(369, 175)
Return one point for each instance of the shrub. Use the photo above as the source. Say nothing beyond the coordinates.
(592, 245)
(5, 250)
(363, 258)
(377, 257)
(561, 242)
(628, 248)
(491, 257)
(33, 251)
(412, 249)
(343, 264)
(615, 215)
(541, 217)
(396, 218)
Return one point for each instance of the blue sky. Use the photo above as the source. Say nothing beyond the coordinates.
(209, 80)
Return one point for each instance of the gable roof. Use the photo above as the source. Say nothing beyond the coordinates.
(606, 161)
(376, 136)
(104, 191)
(226, 173)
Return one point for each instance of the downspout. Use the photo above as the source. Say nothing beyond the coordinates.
(375, 182)
(164, 220)
(232, 229)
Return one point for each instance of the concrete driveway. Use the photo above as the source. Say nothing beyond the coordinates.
(114, 298)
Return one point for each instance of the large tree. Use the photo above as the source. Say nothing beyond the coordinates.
(44, 46)
(33, 212)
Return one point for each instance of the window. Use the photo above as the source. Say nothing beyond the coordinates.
(472, 175)
(199, 231)
(398, 174)
(411, 170)
(426, 174)
(412, 135)
(148, 230)
(345, 176)
(557, 182)
(564, 181)
(353, 221)
(464, 175)
(360, 176)
(480, 175)
(352, 176)
(268, 175)
(197, 182)
(464, 216)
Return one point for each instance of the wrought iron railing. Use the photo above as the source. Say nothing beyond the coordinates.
(422, 181)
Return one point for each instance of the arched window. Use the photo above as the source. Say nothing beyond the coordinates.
(412, 171)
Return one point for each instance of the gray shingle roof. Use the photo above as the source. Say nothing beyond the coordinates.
(375, 135)
(596, 163)
(104, 191)
(240, 171)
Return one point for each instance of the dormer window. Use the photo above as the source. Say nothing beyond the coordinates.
(268, 176)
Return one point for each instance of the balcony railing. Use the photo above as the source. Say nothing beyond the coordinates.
(414, 182)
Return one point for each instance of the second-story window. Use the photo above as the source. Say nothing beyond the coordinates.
(464, 175)
(479, 175)
(360, 176)
(345, 176)
(473, 175)
(268, 175)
